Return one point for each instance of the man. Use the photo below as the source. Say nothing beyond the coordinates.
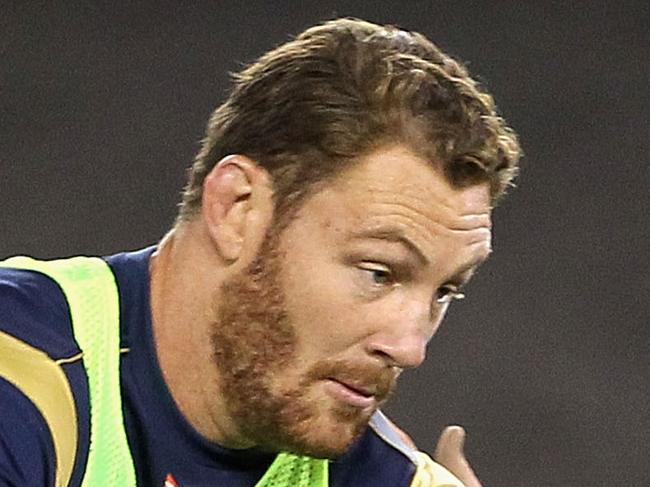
(339, 203)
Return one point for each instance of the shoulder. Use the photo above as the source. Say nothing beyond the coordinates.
(43, 387)
(385, 455)
(33, 309)
(380, 457)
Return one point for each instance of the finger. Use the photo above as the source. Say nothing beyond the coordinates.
(449, 453)
(451, 443)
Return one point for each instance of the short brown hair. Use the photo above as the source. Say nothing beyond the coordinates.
(342, 89)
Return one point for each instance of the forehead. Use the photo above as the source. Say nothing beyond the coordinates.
(396, 176)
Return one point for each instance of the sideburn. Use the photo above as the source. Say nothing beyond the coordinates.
(253, 342)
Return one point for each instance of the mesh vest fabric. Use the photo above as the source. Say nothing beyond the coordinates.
(289, 470)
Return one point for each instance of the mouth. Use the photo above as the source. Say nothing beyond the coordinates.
(356, 395)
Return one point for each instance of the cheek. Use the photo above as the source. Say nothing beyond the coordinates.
(320, 304)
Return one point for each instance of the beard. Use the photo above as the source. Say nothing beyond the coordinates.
(275, 405)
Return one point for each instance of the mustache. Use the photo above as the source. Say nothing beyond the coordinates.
(380, 380)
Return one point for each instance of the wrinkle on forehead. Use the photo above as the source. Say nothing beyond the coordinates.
(424, 211)
(397, 174)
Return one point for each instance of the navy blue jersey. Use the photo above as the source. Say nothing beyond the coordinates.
(34, 310)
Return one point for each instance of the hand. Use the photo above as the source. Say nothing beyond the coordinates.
(449, 454)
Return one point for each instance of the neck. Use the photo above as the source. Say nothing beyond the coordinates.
(184, 276)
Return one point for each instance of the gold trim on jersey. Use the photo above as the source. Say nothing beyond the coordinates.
(43, 381)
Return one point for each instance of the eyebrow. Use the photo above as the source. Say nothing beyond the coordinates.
(463, 276)
(391, 234)
(394, 234)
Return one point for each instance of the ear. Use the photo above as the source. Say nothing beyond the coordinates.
(237, 206)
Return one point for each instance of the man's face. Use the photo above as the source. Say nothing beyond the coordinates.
(309, 341)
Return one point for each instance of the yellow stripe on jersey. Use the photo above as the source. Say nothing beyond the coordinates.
(43, 381)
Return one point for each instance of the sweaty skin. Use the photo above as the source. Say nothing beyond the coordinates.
(358, 284)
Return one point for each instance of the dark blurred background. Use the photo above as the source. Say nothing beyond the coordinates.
(547, 362)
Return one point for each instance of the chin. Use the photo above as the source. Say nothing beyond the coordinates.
(329, 436)
(331, 449)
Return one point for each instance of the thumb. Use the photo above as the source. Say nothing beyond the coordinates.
(449, 453)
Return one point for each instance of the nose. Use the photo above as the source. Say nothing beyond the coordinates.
(401, 339)
(403, 351)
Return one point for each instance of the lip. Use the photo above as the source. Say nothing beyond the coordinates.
(352, 394)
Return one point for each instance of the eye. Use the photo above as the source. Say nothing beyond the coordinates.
(446, 294)
(379, 274)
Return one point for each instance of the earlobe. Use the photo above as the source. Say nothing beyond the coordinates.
(237, 196)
